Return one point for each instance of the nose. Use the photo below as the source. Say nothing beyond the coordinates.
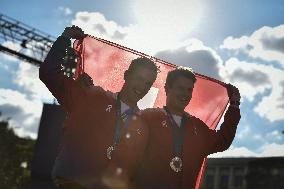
(186, 94)
(143, 86)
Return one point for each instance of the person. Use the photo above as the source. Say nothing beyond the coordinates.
(178, 141)
(104, 137)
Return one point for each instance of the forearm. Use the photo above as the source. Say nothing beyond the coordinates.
(223, 138)
(50, 71)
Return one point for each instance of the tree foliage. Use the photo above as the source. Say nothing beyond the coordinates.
(15, 158)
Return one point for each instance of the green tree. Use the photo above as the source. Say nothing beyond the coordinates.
(15, 158)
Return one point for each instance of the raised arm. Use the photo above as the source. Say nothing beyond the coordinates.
(51, 73)
(221, 140)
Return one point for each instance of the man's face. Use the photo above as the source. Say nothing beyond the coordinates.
(179, 93)
(138, 82)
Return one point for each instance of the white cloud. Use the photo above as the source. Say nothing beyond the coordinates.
(161, 23)
(265, 43)
(269, 150)
(24, 103)
(242, 133)
(253, 79)
(257, 137)
(13, 46)
(235, 43)
(193, 53)
(65, 10)
(271, 106)
(266, 138)
(274, 135)
(27, 77)
(24, 112)
(168, 17)
(96, 24)
(272, 149)
(234, 152)
(154, 29)
(31, 50)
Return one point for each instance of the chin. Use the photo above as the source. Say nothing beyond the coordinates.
(140, 97)
(182, 107)
(136, 99)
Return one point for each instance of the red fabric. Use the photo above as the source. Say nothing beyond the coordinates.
(106, 62)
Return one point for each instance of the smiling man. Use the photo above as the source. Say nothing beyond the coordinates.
(178, 141)
(104, 137)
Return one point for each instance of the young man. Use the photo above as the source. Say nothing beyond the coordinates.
(104, 137)
(178, 142)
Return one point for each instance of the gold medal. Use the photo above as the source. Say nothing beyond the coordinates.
(176, 164)
(110, 150)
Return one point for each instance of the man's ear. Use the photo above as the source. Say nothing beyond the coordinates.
(126, 75)
(166, 87)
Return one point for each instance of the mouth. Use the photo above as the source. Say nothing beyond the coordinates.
(183, 100)
(138, 93)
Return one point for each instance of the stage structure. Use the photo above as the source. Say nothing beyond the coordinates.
(35, 44)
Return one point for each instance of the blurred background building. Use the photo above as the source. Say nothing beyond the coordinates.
(244, 173)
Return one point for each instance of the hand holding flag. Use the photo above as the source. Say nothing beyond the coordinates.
(73, 32)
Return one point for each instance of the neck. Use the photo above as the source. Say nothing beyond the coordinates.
(174, 110)
(123, 95)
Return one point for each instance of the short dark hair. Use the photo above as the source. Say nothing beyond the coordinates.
(143, 62)
(179, 72)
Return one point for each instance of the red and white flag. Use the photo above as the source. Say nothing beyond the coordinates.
(106, 63)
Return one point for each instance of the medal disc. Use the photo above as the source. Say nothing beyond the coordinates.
(110, 152)
(176, 164)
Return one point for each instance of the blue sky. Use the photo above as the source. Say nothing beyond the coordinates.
(241, 42)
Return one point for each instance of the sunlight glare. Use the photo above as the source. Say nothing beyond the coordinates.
(166, 22)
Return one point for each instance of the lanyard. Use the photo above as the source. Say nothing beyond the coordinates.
(121, 121)
(178, 133)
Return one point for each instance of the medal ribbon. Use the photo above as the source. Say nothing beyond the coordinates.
(178, 133)
(121, 121)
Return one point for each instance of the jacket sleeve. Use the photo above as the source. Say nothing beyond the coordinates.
(64, 89)
(218, 141)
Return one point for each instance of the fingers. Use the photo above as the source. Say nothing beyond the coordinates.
(233, 93)
(74, 32)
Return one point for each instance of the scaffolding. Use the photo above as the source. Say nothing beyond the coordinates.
(32, 45)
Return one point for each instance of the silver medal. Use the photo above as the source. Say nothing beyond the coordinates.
(110, 150)
(176, 164)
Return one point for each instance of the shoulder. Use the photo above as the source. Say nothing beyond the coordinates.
(198, 123)
(153, 114)
(152, 111)
(195, 119)
(99, 94)
(198, 126)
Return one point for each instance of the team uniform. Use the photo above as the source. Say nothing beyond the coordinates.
(97, 150)
(162, 168)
